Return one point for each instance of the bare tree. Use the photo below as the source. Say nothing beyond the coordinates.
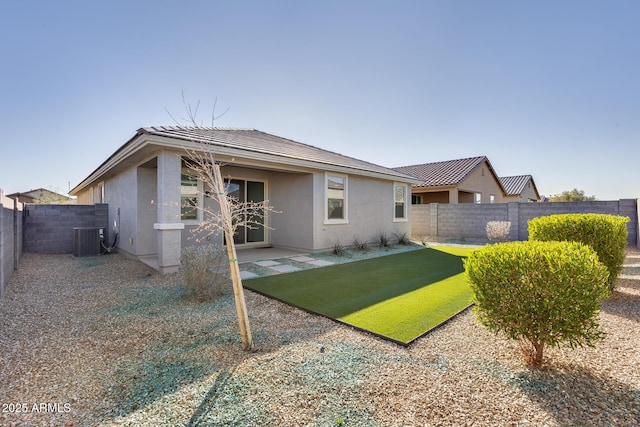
(227, 213)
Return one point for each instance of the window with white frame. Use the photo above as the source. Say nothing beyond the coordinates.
(478, 198)
(100, 193)
(188, 195)
(492, 198)
(399, 201)
(336, 198)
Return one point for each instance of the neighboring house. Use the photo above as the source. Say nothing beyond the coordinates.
(470, 180)
(42, 195)
(320, 197)
(520, 188)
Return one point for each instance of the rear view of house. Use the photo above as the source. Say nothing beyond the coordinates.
(321, 197)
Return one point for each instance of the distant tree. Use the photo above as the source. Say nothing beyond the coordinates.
(574, 195)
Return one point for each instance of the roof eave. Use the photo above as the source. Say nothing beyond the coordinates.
(144, 137)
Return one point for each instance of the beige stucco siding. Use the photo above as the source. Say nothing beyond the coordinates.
(370, 211)
(482, 181)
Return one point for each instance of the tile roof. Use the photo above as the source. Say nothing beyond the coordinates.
(450, 172)
(514, 185)
(255, 141)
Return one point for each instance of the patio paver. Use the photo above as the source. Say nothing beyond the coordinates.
(247, 275)
(320, 263)
(267, 263)
(302, 258)
(284, 268)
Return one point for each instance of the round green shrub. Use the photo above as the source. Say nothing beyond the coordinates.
(546, 293)
(606, 234)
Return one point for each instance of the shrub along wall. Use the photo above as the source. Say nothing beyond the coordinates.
(439, 221)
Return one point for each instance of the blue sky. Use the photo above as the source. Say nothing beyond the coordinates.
(547, 88)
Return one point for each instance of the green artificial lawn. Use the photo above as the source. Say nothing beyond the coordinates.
(399, 297)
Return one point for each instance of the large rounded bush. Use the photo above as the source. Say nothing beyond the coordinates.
(546, 293)
(606, 234)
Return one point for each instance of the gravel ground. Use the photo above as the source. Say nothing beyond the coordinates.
(106, 341)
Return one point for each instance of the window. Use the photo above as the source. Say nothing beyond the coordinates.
(188, 195)
(492, 198)
(336, 199)
(478, 198)
(100, 193)
(248, 191)
(400, 201)
(416, 199)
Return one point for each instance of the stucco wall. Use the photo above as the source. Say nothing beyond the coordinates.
(468, 221)
(481, 180)
(143, 235)
(120, 194)
(290, 196)
(370, 212)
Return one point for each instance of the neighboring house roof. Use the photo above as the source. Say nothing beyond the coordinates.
(515, 185)
(247, 143)
(40, 195)
(449, 172)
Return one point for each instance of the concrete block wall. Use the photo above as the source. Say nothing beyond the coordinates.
(49, 228)
(10, 238)
(420, 220)
(468, 221)
(529, 211)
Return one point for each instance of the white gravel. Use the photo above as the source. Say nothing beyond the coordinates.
(107, 341)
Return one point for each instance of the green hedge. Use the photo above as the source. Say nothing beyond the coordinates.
(546, 293)
(606, 234)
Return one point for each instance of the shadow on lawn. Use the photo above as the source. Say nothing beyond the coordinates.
(342, 289)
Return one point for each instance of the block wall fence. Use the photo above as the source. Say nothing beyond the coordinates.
(10, 238)
(466, 221)
(48, 229)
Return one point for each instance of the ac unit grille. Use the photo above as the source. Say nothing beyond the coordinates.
(86, 241)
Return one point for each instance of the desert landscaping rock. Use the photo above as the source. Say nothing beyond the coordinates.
(106, 341)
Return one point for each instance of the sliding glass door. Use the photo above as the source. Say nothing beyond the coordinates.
(248, 191)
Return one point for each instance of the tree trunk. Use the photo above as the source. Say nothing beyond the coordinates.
(238, 291)
(539, 347)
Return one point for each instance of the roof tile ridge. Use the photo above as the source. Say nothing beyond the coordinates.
(443, 161)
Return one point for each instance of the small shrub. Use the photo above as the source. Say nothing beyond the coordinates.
(424, 240)
(403, 239)
(383, 240)
(546, 293)
(338, 249)
(206, 271)
(606, 234)
(498, 231)
(362, 246)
